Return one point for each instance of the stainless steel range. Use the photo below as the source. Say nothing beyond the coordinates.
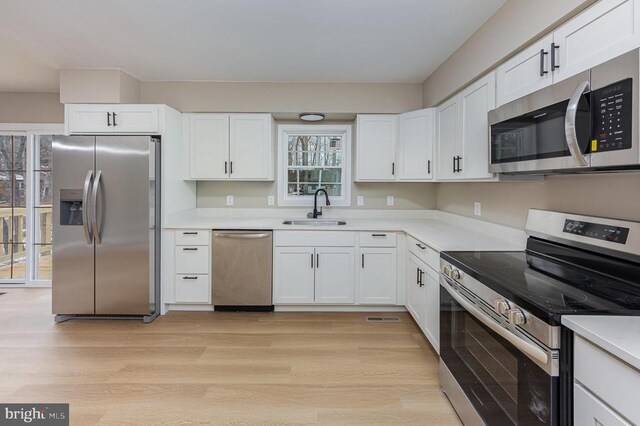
(505, 358)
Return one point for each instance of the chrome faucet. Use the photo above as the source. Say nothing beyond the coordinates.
(315, 213)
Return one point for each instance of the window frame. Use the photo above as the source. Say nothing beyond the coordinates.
(284, 130)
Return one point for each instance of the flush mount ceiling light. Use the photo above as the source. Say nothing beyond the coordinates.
(311, 116)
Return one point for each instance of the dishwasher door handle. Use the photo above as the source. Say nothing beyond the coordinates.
(239, 236)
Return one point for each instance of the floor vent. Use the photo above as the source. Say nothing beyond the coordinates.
(383, 319)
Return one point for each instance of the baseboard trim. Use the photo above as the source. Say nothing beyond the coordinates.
(338, 308)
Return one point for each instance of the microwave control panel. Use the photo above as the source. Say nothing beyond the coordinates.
(612, 116)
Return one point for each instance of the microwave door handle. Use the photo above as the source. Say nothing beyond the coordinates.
(527, 348)
(570, 124)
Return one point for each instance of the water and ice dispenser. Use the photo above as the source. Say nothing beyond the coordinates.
(71, 207)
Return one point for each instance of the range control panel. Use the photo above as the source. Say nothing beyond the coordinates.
(599, 231)
(612, 117)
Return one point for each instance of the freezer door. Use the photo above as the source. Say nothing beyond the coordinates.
(124, 226)
(73, 272)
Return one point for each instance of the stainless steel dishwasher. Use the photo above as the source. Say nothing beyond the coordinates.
(242, 265)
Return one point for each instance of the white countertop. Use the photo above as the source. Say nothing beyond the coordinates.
(441, 231)
(618, 335)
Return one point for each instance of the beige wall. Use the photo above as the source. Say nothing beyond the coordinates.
(98, 86)
(333, 98)
(607, 195)
(31, 108)
(514, 26)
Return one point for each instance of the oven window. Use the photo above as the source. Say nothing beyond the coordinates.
(504, 385)
(539, 134)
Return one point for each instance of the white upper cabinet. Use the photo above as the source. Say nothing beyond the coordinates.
(229, 146)
(208, 146)
(607, 29)
(415, 145)
(108, 118)
(376, 147)
(251, 155)
(601, 32)
(525, 73)
(447, 130)
(475, 103)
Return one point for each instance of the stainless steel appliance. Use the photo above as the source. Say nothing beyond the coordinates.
(505, 357)
(586, 123)
(242, 270)
(106, 212)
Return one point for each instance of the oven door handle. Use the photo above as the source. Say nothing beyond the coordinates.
(570, 124)
(529, 349)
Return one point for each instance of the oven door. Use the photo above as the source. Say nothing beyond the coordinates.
(502, 384)
(545, 131)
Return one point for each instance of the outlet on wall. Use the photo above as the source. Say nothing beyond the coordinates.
(229, 200)
(477, 208)
(271, 200)
(360, 200)
(390, 200)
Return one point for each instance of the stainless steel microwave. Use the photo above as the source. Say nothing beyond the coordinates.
(586, 123)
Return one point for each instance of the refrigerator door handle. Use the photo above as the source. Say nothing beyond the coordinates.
(85, 207)
(94, 206)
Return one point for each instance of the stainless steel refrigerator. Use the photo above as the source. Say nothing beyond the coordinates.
(106, 236)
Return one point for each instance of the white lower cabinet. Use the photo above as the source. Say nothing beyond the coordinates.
(589, 410)
(416, 291)
(432, 314)
(192, 264)
(294, 275)
(192, 288)
(334, 275)
(377, 276)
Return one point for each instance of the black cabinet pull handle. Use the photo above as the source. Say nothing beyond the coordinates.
(189, 233)
(421, 246)
(311, 260)
(542, 70)
(190, 249)
(454, 164)
(553, 56)
(189, 278)
(231, 167)
(108, 119)
(393, 168)
(225, 167)
(317, 260)
(362, 260)
(421, 273)
(378, 235)
(429, 167)
(417, 276)
(114, 119)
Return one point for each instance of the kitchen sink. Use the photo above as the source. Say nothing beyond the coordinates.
(315, 222)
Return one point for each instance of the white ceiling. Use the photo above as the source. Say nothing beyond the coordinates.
(400, 41)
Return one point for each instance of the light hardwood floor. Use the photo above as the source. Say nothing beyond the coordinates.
(220, 368)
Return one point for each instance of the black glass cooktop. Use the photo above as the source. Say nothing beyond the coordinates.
(549, 280)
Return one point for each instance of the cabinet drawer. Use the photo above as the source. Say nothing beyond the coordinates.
(589, 410)
(377, 239)
(192, 260)
(609, 378)
(315, 238)
(192, 289)
(188, 237)
(424, 252)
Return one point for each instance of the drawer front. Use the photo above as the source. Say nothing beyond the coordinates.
(377, 239)
(192, 289)
(192, 260)
(315, 238)
(589, 410)
(424, 252)
(609, 378)
(188, 237)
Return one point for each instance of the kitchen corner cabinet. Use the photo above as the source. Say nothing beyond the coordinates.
(377, 275)
(415, 145)
(462, 132)
(606, 29)
(229, 146)
(376, 139)
(112, 118)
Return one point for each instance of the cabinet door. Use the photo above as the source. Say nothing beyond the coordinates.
(250, 147)
(432, 307)
(589, 410)
(605, 30)
(335, 279)
(415, 145)
(293, 275)
(475, 103)
(209, 146)
(136, 119)
(415, 292)
(377, 276)
(525, 73)
(447, 136)
(376, 147)
(89, 118)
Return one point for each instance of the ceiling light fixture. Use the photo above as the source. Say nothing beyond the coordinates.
(311, 116)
